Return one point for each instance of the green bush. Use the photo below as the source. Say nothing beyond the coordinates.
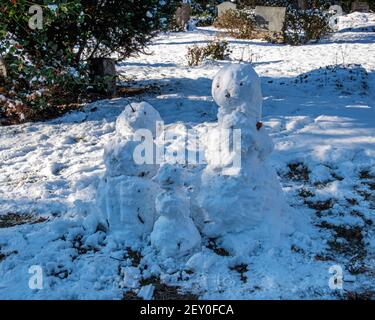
(302, 26)
(239, 24)
(48, 66)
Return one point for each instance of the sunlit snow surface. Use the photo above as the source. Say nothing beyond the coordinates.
(322, 121)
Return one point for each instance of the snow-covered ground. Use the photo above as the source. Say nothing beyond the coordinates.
(319, 109)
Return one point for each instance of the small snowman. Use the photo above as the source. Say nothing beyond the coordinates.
(126, 193)
(174, 233)
(241, 198)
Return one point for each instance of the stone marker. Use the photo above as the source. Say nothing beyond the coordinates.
(182, 15)
(103, 71)
(360, 6)
(270, 18)
(225, 6)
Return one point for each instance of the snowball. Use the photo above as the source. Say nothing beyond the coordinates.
(237, 87)
(127, 205)
(137, 116)
(175, 239)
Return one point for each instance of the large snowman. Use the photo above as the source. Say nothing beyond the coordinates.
(126, 193)
(243, 195)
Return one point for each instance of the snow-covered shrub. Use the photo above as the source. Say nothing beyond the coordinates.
(239, 24)
(195, 55)
(36, 91)
(217, 50)
(205, 19)
(85, 29)
(214, 50)
(204, 12)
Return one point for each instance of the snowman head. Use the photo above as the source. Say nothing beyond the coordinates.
(237, 87)
(136, 116)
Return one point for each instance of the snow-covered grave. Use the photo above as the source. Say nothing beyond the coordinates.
(280, 225)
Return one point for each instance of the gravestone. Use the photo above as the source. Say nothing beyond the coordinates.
(270, 18)
(103, 75)
(182, 15)
(225, 6)
(360, 6)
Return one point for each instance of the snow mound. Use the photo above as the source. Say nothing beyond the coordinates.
(346, 79)
(359, 21)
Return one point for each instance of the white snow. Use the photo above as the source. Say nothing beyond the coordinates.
(322, 123)
(174, 233)
(126, 194)
(250, 197)
(236, 90)
(137, 116)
